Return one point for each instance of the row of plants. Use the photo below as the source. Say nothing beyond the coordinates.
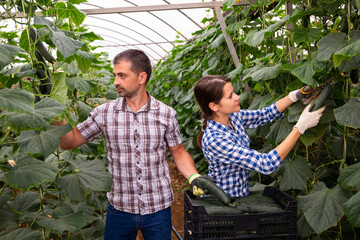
(282, 46)
(48, 71)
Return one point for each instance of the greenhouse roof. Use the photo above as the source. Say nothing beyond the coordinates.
(154, 26)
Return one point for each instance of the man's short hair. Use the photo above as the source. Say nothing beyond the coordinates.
(140, 62)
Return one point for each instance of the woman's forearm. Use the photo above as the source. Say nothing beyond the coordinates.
(283, 103)
(289, 142)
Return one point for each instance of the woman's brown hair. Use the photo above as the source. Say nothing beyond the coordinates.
(209, 89)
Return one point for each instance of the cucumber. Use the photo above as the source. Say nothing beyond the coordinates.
(354, 76)
(323, 96)
(46, 85)
(40, 46)
(214, 207)
(257, 204)
(215, 190)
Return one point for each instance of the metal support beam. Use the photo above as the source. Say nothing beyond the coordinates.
(162, 7)
(231, 46)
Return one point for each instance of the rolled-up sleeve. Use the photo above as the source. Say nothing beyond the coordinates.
(256, 118)
(90, 128)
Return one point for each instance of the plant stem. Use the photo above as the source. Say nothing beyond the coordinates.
(8, 130)
(14, 210)
(344, 149)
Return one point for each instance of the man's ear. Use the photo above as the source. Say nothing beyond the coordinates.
(142, 77)
(213, 107)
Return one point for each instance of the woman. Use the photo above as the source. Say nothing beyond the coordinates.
(225, 143)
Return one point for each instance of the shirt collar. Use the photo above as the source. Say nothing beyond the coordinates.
(211, 124)
(149, 105)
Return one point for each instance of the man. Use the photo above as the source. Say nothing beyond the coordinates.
(137, 129)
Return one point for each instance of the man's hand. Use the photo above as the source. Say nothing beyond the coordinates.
(195, 186)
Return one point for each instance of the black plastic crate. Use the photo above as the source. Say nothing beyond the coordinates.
(200, 225)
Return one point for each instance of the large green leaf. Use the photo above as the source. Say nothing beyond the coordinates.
(294, 174)
(83, 85)
(59, 87)
(350, 177)
(313, 134)
(42, 142)
(8, 53)
(349, 114)
(352, 210)
(279, 130)
(305, 73)
(83, 110)
(5, 196)
(323, 206)
(306, 35)
(17, 100)
(30, 172)
(75, 14)
(21, 234)
(19, 71)
(255, 37)
(60, 219)
(66, 46)
(265, 73)
(25, 201)
(329, 44)
(86, 175)
(347, 53)
(45, 110)
(84, 60)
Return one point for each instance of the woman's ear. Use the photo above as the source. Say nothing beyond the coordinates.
(213, 107)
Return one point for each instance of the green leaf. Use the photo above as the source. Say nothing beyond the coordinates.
(83, 110)
(59, 87)
(217, 42)
(17, 100)
(45, 111)
(279, 130)
(86, 175)
(38, 20)
(350, 177)
(42, 142)
(349, 114)
(347, 53)
(21, 234)
(352, 210)
(76, 15)
(19, 71)
(305, 73)
(33, 172)
(84, 60)
(265, 73)
(62, 10)
(66, 46)
(24, 201)
(5, 196)
(255, 37)
(323, 206)
(313, 134)
(306, 35)
(61, 219)
(8, 53)
(235, 72)
(329, 44)
(83, 85)
(294, 174)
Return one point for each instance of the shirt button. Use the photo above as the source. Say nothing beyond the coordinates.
(137, 146)
(139, 178)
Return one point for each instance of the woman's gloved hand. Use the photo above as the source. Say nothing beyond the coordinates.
(309, 119)
(195, 186)
(293, 95)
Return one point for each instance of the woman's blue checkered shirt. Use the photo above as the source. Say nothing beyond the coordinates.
(228, 151)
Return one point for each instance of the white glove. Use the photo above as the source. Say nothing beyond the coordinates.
(292, 95)
(309, 119)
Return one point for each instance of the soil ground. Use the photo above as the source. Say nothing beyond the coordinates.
(178, 183)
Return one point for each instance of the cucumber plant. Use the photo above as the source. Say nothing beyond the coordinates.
(47, 193)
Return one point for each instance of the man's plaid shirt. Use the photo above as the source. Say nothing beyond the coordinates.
(228, 151)
(136, 144)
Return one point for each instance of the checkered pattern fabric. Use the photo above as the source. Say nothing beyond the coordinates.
(228, 151)
(136, 144)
